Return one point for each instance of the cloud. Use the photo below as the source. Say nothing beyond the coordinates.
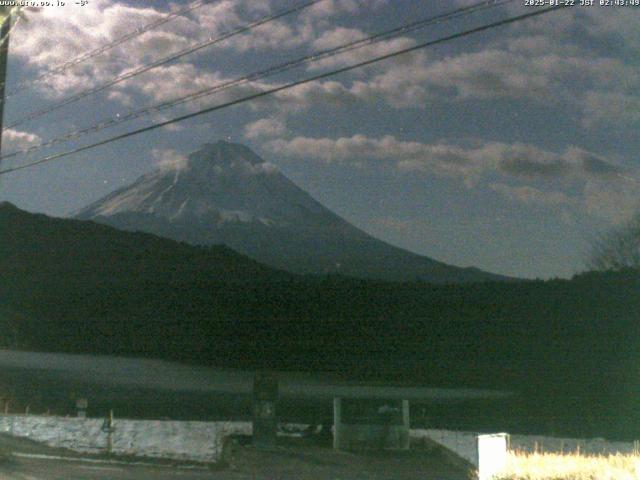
(532, 195)
(271, 36)
(528, 161)
(514, 160)
(337, 36)
(14, 140)
(528, 174)
(173, 81)
(53, 36)
(494, 73)
(265, 127)
(616, 22)
(264, 168)
(331, 8)
(341, 36)
(601, 107)
(522, 65)
(489, 74)
(56, 35)
(315, 93)
(169, 159)
(519, 66)
(614, 202)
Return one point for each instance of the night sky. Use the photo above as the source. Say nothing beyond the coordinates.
(509, 150)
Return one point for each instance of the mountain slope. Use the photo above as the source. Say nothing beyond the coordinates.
(226, 194)
(37, 249)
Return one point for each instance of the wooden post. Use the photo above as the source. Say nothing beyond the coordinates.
(108, 428)
(110, 438)
(337, 422)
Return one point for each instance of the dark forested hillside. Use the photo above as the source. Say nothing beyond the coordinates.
(37, 246)
(570, 346)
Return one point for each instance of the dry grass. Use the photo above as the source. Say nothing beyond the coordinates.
(568, 466)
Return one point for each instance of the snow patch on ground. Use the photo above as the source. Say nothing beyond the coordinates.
(203, 441)
(193, 441)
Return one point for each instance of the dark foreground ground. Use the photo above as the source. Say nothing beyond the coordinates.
(25, 460)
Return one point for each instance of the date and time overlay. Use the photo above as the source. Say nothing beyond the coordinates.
(526, 3)
(581, 3)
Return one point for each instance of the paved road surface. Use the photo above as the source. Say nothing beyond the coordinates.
(254, 466)
(55, 469)
(22, 459)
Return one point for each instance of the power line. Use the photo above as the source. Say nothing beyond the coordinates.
(158, 63)
(287, 86)
(316, 56)
(20, 87)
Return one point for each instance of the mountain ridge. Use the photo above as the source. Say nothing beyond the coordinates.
(226, 194)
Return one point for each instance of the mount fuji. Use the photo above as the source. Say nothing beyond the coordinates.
(226, 194)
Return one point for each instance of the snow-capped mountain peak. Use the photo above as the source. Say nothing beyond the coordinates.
(226, 194)
(220, 183)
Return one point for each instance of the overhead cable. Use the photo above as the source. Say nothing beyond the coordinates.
(145, 68)
(314, 57)
(271, 91)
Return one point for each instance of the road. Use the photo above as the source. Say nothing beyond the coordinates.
(21, 468)
(22, 459)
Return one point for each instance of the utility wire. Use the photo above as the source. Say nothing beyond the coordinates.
(287, 86)
(317, 56)
(163, 61)
(21, 86)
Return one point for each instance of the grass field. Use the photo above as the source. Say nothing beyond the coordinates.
(571, 466)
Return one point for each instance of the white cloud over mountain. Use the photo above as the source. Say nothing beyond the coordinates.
(528, 174)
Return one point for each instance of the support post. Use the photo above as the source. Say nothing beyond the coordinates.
(265, 419)
(109, 428)
(337, 422)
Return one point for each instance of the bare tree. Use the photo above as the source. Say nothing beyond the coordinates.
(619, 249)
